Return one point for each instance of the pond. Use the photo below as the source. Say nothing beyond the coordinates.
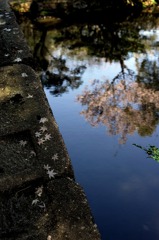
(102, 84)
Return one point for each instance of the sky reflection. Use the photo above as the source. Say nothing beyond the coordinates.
(120, 182)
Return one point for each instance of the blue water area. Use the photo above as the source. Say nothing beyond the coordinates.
(104, 101)
(120, 181)
(102, 83)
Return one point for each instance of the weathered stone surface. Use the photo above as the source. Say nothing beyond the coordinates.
(39, 198)
(13, 47)
(61, 212)
(31, 143)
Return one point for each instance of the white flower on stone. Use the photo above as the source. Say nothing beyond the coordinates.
(49, 237)
(19, 51)
(42, 205)
(43, 120)
(6, 55)
(7, 29)
(35, 201)
(37, 134)
(32, 153)
(2, 22)
(46, 167)
(55, 157)
(24, 75)
(51, 173)
(29, 96)
(17, 60)
(47, 136)
(39, 191)
(23, 143)
(41, 141)
(43, 129)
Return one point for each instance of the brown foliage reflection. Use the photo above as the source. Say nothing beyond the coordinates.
(123, 106)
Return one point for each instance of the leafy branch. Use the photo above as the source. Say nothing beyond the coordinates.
(151, 151)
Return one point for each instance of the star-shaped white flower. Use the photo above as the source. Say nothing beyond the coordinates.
(41, 141)
(55, 157)
(29, 96)
(39, 191)
(2, 22)
(49, 237)
(47, 136)
(46, 167)
(7, 29)
(43, 120)
(42, 205)
(35, 201)
(32, 153)
(43, 129)
(17, 60)
(51, 173)
(23, 143)
(24, 75)
(37, 134)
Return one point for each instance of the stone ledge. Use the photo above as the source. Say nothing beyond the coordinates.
(60, 213)
(29, 135)
(13, 46)
(39, 198)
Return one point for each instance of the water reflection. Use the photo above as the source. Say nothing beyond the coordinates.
(124, 106)
(60, 78)
(126, 103)
(123, 96)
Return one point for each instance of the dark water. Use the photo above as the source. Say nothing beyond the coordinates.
(102, 83)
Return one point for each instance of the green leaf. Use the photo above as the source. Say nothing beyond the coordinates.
(152, 151)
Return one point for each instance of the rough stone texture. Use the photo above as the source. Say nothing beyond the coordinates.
(62, 212)
(23, 106)
(13, 47)
(35, 202)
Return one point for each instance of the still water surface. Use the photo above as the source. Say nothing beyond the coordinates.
(121, 183)
(102, 106)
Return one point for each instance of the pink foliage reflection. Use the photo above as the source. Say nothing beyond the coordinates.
(124, 107)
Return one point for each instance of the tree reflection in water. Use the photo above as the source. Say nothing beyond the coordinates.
(112, 42)
(62, 78)
(125, 104)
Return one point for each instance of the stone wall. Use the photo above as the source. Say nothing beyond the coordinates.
(39, 197)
